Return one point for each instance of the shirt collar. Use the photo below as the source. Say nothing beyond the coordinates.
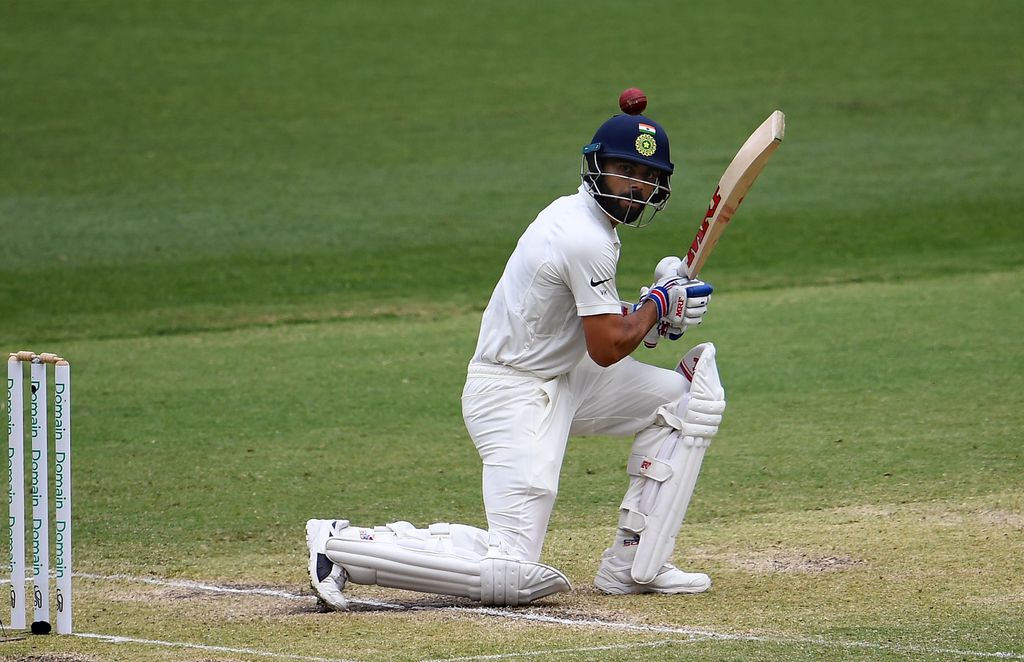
(597, 214)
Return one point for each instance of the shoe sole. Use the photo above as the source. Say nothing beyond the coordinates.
(311, 568)
(312, 528)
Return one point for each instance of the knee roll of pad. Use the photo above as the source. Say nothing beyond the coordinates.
(510, 582)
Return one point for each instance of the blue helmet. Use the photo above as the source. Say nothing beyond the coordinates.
(636, 139)
(633, 138)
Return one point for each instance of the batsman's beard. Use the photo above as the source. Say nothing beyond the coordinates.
(625, 210)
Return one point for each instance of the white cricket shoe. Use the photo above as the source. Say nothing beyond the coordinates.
(326, 578)
(613, 578)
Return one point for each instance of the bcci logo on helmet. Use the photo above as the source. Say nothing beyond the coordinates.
(646, 145)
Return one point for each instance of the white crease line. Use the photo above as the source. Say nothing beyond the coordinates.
(572, 622)
(199, 586)
(585, 622)
(114, 639)
(214, 588)
(563, 651)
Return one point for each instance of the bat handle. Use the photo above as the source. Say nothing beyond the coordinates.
(684, 271)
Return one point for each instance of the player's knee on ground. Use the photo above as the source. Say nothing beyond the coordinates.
(449, 559)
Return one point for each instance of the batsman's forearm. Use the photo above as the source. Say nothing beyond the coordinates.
(611, 338)
(639, 322)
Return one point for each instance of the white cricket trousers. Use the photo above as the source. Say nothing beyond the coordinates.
(520, 424)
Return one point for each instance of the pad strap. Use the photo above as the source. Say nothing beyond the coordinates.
(645, 466)
(632, 520)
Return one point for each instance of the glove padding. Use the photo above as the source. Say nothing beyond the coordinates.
(681, 303)
(667, 267)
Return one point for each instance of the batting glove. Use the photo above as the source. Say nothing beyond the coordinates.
(681, 304)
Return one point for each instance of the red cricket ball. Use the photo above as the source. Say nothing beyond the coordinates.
(633, 101)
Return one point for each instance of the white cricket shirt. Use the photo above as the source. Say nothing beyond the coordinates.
(563, 268)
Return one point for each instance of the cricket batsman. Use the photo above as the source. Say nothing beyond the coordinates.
(553, 361)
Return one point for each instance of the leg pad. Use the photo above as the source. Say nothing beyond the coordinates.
(436, 567)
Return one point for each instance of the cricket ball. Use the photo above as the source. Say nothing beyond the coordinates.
(633, 101)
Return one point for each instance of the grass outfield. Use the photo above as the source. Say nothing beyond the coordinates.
(264, 232)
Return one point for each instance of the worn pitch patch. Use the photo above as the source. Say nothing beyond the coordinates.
(789, 560)
(50, 657)
(219, 603)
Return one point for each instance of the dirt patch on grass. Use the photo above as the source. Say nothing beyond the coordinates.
(997, 600)
(869, 511)
(242, 603)
(1002, 518)
(49, 657)
(786, 560)
(938, 514)
(946, 518)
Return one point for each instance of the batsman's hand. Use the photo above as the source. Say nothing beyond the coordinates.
(667, 267)
(692, 304)
(681, 304)
(662, 330)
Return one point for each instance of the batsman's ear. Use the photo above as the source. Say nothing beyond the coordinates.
(664, 190)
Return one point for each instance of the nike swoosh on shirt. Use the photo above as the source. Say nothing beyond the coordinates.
(595, 283)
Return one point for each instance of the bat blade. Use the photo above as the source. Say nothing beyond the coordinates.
(732, 188)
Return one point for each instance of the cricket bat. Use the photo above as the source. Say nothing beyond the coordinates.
(732, 188)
